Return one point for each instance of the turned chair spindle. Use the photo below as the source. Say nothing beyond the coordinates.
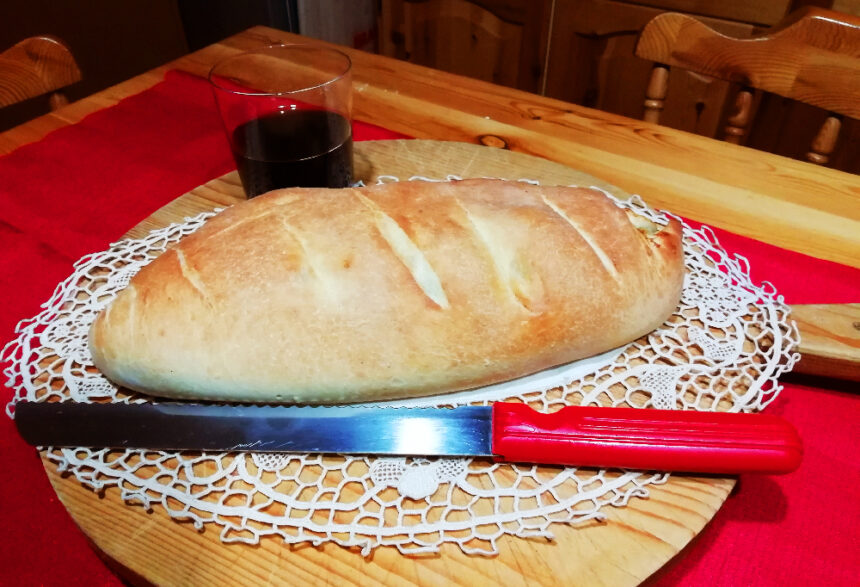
(813, 56)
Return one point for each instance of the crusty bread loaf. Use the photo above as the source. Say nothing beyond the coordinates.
(399, 290)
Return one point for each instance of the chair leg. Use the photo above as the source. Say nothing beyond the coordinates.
(655, 93)
(824, 142)
(739, 120)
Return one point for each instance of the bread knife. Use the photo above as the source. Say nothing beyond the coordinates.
(644, 439)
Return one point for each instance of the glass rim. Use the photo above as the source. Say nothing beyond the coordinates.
(269, 48)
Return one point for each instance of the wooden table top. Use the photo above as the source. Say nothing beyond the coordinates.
(788, 203)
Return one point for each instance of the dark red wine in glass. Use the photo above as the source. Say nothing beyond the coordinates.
(294, 148)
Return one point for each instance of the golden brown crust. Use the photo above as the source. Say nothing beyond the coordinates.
(406, 289)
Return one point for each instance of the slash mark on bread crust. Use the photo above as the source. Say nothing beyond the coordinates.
(408, 253)
(601, 254)
(315, 268)
(192, 276)
(303, 248)
(503, 260)
(231, 227)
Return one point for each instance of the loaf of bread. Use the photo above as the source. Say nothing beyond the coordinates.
(399, 290)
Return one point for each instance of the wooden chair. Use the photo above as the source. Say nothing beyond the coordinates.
(813, 56)
(34, 67)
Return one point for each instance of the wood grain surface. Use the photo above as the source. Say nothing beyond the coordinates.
(788, 203)
(36, 66)
(813, 56)
(631, 544)
(830, 342)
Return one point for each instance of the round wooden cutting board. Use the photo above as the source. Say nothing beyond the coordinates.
(626, 548)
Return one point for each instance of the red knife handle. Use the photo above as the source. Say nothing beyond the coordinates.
(630, 438)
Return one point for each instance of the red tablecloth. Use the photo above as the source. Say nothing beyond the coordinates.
(83, 186)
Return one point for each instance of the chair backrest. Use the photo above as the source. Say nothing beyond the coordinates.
(37, 66)
(813, 56)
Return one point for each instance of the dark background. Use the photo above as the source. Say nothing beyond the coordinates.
(113, 40)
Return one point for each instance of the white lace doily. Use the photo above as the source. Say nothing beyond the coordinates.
(723, 349)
